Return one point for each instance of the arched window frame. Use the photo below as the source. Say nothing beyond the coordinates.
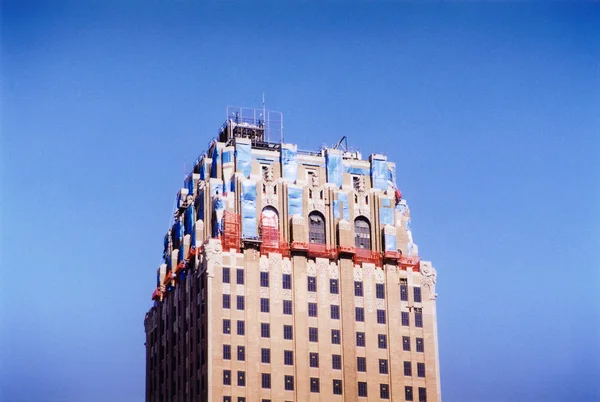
(317, 232)
(362, 233)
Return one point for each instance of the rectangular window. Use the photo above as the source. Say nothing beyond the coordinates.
(287, 307)
(226, 326)
(408, 369)
(264, 279)
(360, 339)
(226, 352)
(314, 385)
(382, 341)
(226, 275)
(362, 388)
(361, 364)
(336, 362)
(225, 398)
(334, 287)
(417, 294)
(337, 387)
(241, 399)
(226, 301)
(287, 281)
(384, 391)
(313, 334)
(265, 330)
(405, 318)
(406, 343)
(314, 360)
(266, 381)
(418, 318)
(265, 355)
(335, 336)
(380, 290)
(241, 379)
(381, 317)
(420, 345)
(241, 328)
(422, 394)
(312, 309)
(241, 352)
(403, 290)
(360, 314)
(312, 284)
(383, 366)
(408, 393)
(226, 377)
(241, 303)
(240, 276)
(288, 332)
(358, 288)
(421, 370)
(335, 312)
(288, 357)
(264, 305)
(289, 382)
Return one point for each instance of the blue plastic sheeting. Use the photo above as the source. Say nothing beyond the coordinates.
(227, 156)
(289, 161)
(216, 161)
(379, 174)
(333, 163)
(386, 202)
(386, 215)
(408, 225)
(243, 159)
(392, 174)
(189, 220)
(203, 169)
(343, 201)
(166, 254)
(401, 208)
(294, 201)
(229, 187)
(356, 170)
(389, 241)
(158, 279)
(218, 210)
(190, 185)
(215, 185)
(201, 205)
(249, 210)
(179, 229)
(268, 161)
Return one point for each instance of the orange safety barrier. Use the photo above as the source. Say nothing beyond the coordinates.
(299, 246)
(347, 250)
(322, 251)
(231, 231)
(409, 261)
(369, 256)
(179, 268)
(194, 251)
(391, 255)
(157, 294)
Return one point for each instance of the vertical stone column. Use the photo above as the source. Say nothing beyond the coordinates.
(213, 253)
(347, 307)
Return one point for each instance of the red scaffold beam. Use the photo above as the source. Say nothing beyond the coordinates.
(367, 256)
(322, 251)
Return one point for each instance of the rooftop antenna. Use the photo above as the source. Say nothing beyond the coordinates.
(264, 114)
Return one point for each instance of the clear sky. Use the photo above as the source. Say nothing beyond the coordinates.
(491, 113)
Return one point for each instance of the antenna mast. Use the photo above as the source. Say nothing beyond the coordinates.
(264, 115)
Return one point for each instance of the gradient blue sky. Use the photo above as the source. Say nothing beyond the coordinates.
(490, 111)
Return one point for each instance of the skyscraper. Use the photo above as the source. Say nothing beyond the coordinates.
(290, 275)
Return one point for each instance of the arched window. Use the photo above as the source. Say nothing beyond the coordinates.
(316, 228)
(269, 225)
(362, 233)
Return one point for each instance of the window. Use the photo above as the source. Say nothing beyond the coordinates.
(240, 276)
(312, 284)
(264, 305)
(241, 327)
(240, 303)
(382, 341)
(264, 279)
(420, 345)
(422, 394)
(265, 400)
(380, 290)
(288, 357)
(337, 387)
(226, 326)
(358, 288)
(405, 318)
(418, 317)
(336, 362)
(406, 343)
(225, 399)
(288, 332)
(335, 312)
(314, 360)
(360, 314)
(241, 353)
(287, 307)
(289, 382)
(362, 388)
(421, 370)
(403, 289)
(417, 294)
(266, 380)
(241, 399)
(362, 233)
(408, 393)
(265, 330)
(226, 301)
(361, 364)
(314, 384)
(380, 316)
(226, 352)
(316, 228)
(360, 339)
(241, 378)
(335, 336)
(226, 275)
(407, 369)
(226, 377)
(312, 309)
(383, 366)
(313, 334)
(384, 391)
(265, 355)
(287, 281)
(334, 286)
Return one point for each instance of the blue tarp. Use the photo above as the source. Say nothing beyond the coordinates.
(386, 215)
(379, 174)
(203, 169)
(216, 161)
(243, 159)
(333, 163)
(294, 201)
(392, 174)
(289, 161)
(201, 205)
(218, 210)
(342, 199)
(249, 209)
(227, 156)
(356, 170)
(389, 241)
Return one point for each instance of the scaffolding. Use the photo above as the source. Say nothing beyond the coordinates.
(410, 261)
(230, 238)
(271, 239)
(363, 255)
(322, 251)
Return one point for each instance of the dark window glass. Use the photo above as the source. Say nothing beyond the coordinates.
(241, 328)
(407, 369)
(226, 352)
(226, 301)
(361, 364)
(226, 377)
(406, 343)
(288, 332)
(362, 233)
(241, 399)
(226, 275)
(420, 345)
(226, 399)
(264, 279)
(226, 326)
(380, 316)
(336, 362)
(265, 330)
(334, 287)
(241, 303)
(335, 336)
(418, 318)
(312, 284)
(264, 305)
(316, 228)
(383, 366)
(265, 355)
(287, 281)
(289, 382)
(314, 360)
(314, 385)
(422, 394)
(266, 380)
(380, 290)
(313, 334)
(384, 391)
(405, 318)
(288, 357)
(408, 393)
(417, 294)
(421, 370)
(382, 341)
(360, 339)
(360, 314)
(358, 288)
(241, 379)
(362, 388)
(337, 387)
(335, 312)
(312, 309)
(403, 290)
(241, 352)
(287, 307)
(240, 276)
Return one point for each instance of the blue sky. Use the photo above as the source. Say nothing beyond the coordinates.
(489, 110)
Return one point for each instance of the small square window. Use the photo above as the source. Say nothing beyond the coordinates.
(287, 281)
(406, 343)
(408, 369)
(381, 317)
(240, 276)
(265, 355)
(337, 387)
(417, 294)
(312, 309)
(405, 322)
(314, 360)
(226, 301)
(226, 377)
(360, 314)
(241, 353)
(362, 388)
(335, 312)
(361, 364)
(241, 328)
(336, 362)
(382, 341)
(314, 385)
(241, 379)
(334, 287)
(384, 391)
(265, 330)
(289, 382)
(264, 305)
(335, 336)
(288, 357)
(380, 290)
(408, 393)
(241, 304)
(421, 370)
(287, 307)
(360, 339)
(226, 275)
(383, 366)
(288, 332)
(266, 381)
(264, 279)
(312, 284)
(420, 345)
(226, 352)
(422, 394)
(226, 326)
(358, 288)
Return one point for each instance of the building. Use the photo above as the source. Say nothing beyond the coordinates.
(290, 276)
